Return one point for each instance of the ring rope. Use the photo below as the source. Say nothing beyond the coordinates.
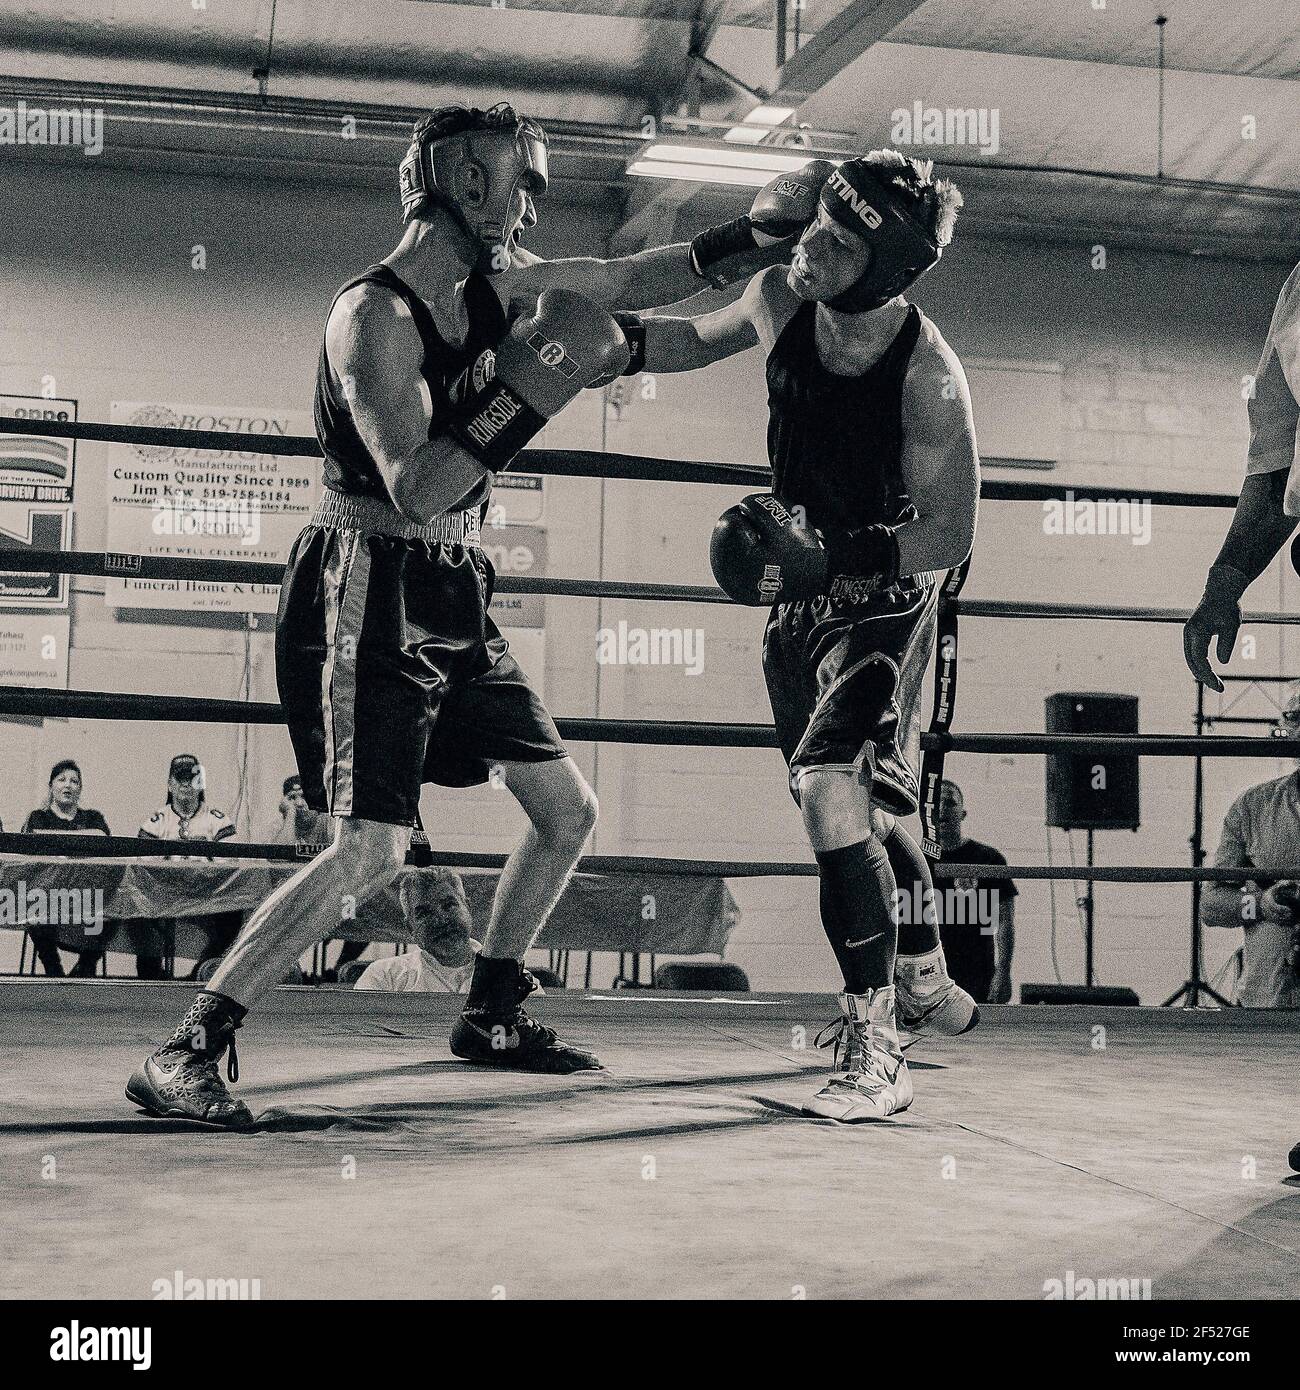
(93, 704)
(49, 845)
(120, 565)
(581, 463)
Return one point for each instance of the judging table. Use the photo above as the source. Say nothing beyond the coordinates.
(638, 913)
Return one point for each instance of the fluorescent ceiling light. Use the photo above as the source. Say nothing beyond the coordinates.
(752, 168)
(758, 124)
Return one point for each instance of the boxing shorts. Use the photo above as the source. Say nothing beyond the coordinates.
(846, 682)
(390, 669)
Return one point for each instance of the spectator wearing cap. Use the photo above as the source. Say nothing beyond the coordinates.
(298, 823)
(441, 956)
(1262, 830)
(64, 813)
(186, 815)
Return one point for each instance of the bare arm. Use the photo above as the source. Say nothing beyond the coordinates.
(662, 275)
(940, 461)
(1004, 947)
(375, 351)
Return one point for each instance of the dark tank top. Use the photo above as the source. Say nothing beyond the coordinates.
(835, 443)
(349, 466)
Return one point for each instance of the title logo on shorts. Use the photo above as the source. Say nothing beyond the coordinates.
(846, 193)
(552, 354)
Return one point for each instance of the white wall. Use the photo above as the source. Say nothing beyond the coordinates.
(96, 288)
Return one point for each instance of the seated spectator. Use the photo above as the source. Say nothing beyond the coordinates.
(63, 812)
(298, 824)
(441, 957)
(977, 917)
(186, 815)
(1262, 828)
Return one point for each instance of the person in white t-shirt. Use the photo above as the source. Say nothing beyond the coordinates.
(441, 957)
(186, 815)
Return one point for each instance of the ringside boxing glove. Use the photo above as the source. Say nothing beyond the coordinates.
(762, 555)
(766, 234)
(544, 360)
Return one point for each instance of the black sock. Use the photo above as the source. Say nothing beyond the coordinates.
(857, 902)
(918, 930)
(493, 981)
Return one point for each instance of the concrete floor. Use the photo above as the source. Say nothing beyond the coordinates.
(384, 1168)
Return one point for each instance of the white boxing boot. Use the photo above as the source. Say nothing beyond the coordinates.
(929, 1003)
(870, 1081)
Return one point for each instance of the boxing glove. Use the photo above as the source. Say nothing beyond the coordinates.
(634, 335)
(762, 554)
(766, 234)
(544, 360)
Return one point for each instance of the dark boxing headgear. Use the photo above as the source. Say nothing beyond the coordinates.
(473, 170)
(860, 196)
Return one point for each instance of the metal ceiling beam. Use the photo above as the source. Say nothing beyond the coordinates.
(838, 43)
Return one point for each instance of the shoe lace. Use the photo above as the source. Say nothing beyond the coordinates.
(847, 1038)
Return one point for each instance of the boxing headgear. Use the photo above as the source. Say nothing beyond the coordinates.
(859, 196)
(474, 173)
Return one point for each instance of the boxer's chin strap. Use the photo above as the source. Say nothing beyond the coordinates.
(945, 702)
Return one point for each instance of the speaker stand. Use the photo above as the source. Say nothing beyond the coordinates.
(1196, 985)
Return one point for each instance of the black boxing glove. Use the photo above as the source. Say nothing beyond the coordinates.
(544, 360)
(767, 233)
(634, 336)
(760, 554)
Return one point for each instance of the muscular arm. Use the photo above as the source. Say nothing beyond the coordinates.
(375, 351)
(645, 280)
(682, 345)
(940, 462)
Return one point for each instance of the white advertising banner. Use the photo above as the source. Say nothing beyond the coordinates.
(211, 504)
(34, 650)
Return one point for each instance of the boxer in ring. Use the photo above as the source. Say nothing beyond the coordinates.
(390, 669)
(875, 482)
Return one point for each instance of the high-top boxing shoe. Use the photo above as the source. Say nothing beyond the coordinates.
(180, 1079)
(495, 1028)
(929, 1003)
(870, 1081)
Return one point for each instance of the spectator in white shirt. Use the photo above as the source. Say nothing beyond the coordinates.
(186, 815)
(441, 956)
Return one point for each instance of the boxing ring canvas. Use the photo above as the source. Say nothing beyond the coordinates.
(1050, 1149)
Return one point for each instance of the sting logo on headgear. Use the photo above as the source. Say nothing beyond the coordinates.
(841, 187)
(859, 195)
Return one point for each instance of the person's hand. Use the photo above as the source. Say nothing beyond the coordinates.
(1000, 988)
(1216, 619)
(1280, 904)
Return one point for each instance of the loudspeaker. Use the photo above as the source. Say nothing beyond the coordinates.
(1092, 791)
(1079, 994)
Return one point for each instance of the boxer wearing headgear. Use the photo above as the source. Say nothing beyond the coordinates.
(391, 672)
(875, 480)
